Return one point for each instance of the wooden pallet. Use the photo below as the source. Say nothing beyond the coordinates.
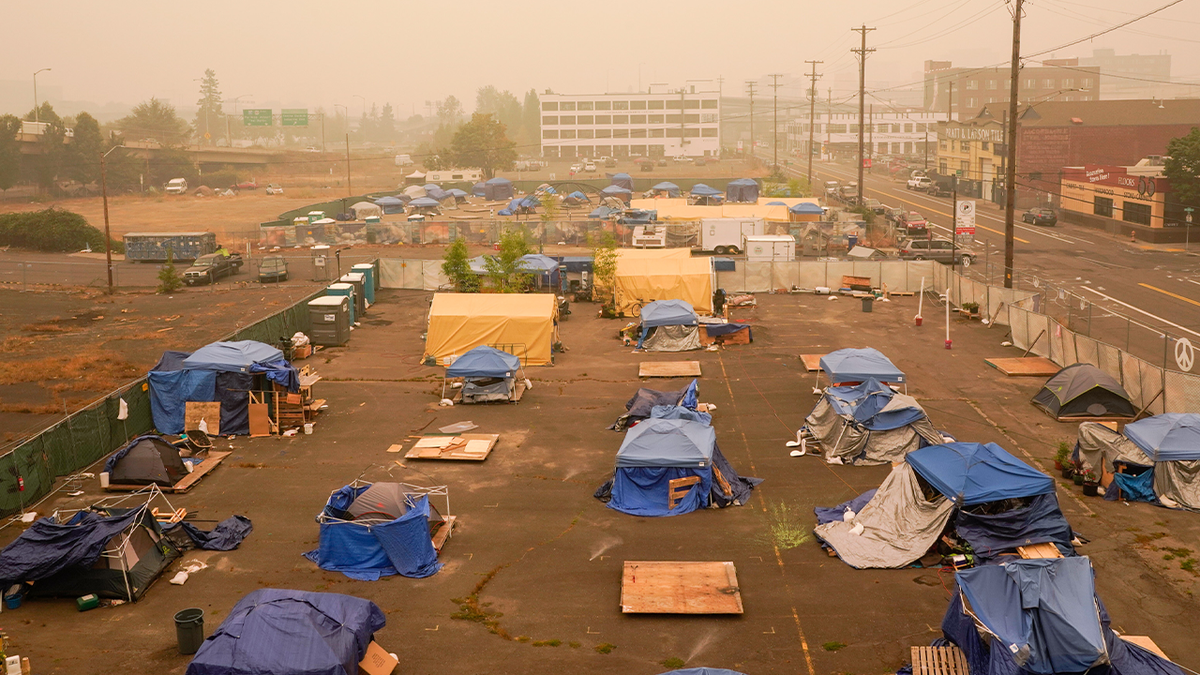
(670, 587)
(1032, 551)
(443, 533)
(669, 369)
(939, 661)
(187, 482)
(1027, 366)
(456, 450)
(812, 362)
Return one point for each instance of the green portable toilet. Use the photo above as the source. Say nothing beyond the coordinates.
(314, 216)
(368, 272)
(329, 317)
(348, 291)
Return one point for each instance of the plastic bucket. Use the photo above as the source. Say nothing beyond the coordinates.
(308, 426)
(189, 629)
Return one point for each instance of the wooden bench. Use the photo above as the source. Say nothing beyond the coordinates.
(939, 661)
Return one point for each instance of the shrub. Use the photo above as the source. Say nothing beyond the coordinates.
(51, 230)
(169, 280)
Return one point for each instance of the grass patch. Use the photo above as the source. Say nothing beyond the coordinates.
(1147, 538)
(70, 373)
(673, 662)
(574, 644)
(1188, 565)
(523, 638)
(833, 646)
(546, 643)
(604, 648)
(788, 525)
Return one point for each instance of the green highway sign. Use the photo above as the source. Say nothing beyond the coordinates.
(257, 117)
(294, 117)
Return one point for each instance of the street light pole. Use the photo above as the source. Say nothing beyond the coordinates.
(107, 238)
(35, 96)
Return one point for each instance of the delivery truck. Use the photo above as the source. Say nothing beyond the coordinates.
(727, 235)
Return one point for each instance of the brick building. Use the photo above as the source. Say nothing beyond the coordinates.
(974, 88)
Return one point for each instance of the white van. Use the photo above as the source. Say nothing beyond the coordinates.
(176, 186)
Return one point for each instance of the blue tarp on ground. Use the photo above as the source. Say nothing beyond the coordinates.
(860, 365)
(623, 180)
(1167, 437)
(828, 514)
(806, 208)
(702, 190)
(977, 473)
(47, 548)
(368, 552)
(484, 361)
(866, 402)
(578, 196)
(742, 190)
(231, 357)
(668, 187)
(226, 536)
(285, 632)
(668, 313)
(1041, 611)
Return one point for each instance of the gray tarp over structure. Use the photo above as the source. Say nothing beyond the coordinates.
(844, 441)
(672, 339)
(898, 525)
(1176, 483)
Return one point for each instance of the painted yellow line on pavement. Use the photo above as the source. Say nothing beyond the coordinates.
(982, 227)
(1173, 295)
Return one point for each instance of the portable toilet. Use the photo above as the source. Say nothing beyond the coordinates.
(359, 282)
(373, 220)
(329, 317)
(314, 216)
(368, 272)
(347, 290)
(320, 262)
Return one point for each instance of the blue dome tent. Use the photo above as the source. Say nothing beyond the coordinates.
(860, 365)
(459, 195)
(703, 194)
(868, 423)
(488, 375)
(622, 193)
(622, 180)
(497, 189)
(479, 189)
(776, 204)
(806, 209)
(743, 190)
(671, 189)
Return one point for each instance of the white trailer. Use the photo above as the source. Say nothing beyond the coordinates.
(727, 235)
(770, 248)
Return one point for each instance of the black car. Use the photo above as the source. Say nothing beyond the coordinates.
(209, 268)
(1040, 217)
(273, 268)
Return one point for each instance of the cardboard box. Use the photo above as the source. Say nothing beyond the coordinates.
(377, 661)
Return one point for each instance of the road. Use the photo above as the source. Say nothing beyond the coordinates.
(1156, 288)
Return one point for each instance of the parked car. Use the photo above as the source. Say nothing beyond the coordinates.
(209, 268)
(662, 161)
(176, 186)
(919, 183)
(938, 250)
(609, 162)
(589, 167)
(246, 185)
(273, 268)
(892, 214)
(875, 205)
(832, 188)
(274, 189)
(1040, 216)
(576, 168)
(913, 223)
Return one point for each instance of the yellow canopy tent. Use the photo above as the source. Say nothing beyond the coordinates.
(653, 253)
(640, 280)
(520, 323)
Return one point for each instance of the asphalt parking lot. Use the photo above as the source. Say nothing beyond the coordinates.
(544, 559)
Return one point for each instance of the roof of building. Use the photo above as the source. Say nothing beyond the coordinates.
(1137, 112)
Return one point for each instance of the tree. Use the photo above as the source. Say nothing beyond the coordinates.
(531, 113)
(456, 267)
(82, 161)
(155, 119)
(505, 268)
(604, 270)
(209, 114)
(10, 151)
(168, 276)
(501, 105)
(482, 142)
(1182, 168)
(450, 110)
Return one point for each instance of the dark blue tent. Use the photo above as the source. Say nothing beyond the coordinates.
(231, 357)
(505, 212)
(459, 195)
(977, 473)
(868, 404)
(654, 453)
(668, 187)
(285, 632)
(374, 530)
(484, 361)
(479, 189)
(603, 212)
(859, 365)
(390, 205)
(421, 204)
(702, 190)
(616, 191)
(806, 208)
(498, 189)
(623, 180)
(577, 197)
(742, 190)
(1168, 437)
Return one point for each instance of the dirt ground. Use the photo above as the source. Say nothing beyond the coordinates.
(543, 558)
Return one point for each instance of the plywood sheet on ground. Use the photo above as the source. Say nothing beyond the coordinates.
(673, 587)
(812, 362)
(1028, 366)
(1044, 550)
(468, 447)
(669, 369)
(1145, 643)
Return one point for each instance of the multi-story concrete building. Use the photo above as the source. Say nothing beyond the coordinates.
(1131, 75)
(668, 124)
(966, 90)
(889, 132)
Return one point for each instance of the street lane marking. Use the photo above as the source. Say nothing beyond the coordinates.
(1106, 264)
(1136, 309)
(1173, 295)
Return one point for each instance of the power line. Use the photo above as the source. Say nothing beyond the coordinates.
(1106, 30)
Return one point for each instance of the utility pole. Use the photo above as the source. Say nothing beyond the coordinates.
(1004, 157)
(829, 118)
(871, 142)
(954, 221)
(862, 93)
(750, 85)
(349, 189)
(812, 105)
(775, 119)
(107, 238)
(322, 132)
(1010, 173)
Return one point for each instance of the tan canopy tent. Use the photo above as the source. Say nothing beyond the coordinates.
(642, 278)
(523, 324)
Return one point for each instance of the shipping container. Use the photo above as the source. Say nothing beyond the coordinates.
(153, 246)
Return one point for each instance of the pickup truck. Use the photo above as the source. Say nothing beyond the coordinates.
(209, 268)
(921, 183)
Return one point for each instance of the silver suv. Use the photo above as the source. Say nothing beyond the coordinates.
(940, 250)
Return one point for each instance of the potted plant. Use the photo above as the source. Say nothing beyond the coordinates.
(1078, 477)
(1091, 486)
(1062, 457)
(971, 309)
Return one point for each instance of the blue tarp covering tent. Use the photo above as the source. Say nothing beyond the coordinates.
(424, 203)
(623, 180)
(437, 193)
(859, 365)
(374, 530)
(484, 361)
(806, 208)
(498, 189)
(577, 197)
(479, 189)
(867, 404)
(459, 195)
(976, 473)
(869, 423)
(285, 632)
(390, 205)
(655, 452)
(505, 212)
(221, 371)
(603, 212)
(1167, 437)
(622, 193)
(671, 189)
(643, 401)
(742, 190)
(776, 204)
(666, 313)
(702, 190)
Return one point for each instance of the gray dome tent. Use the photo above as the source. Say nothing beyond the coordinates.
(1083, 390)
(146, 460)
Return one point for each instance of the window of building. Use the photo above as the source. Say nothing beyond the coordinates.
(549, 133)
(1068, 82)
(942, 167)
(964, 167)
(908, 128)
(942, 144)
(922, 127)
(604, 133)
(568, 133)
(620, 133)
(620, 119)
(638, 149)
(1048, 83)
(991, 84)
(620, 105)
(816, 128)
(709, 104)
(709, 133)
(1030, 83)
(691, 133)
(1086, 83)
(586, 105)
(691, 119)
(710, 118)
(908, 148)
(972, 84)
(586, 133)
(835, 128)
(1102, 206)
(550, 105)
(637, 105)
(1135, 212)
(672, 104)
(603, 105)
(689, 104)
(637, 119)
(983, 146)
(654, 105)
(637, 133)
(674, 132)
(567, 119)
(568, 105)
(674, 119)
(964, 146)
(584, 119)
(603, 119)
(657, 133)
(549, 119)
